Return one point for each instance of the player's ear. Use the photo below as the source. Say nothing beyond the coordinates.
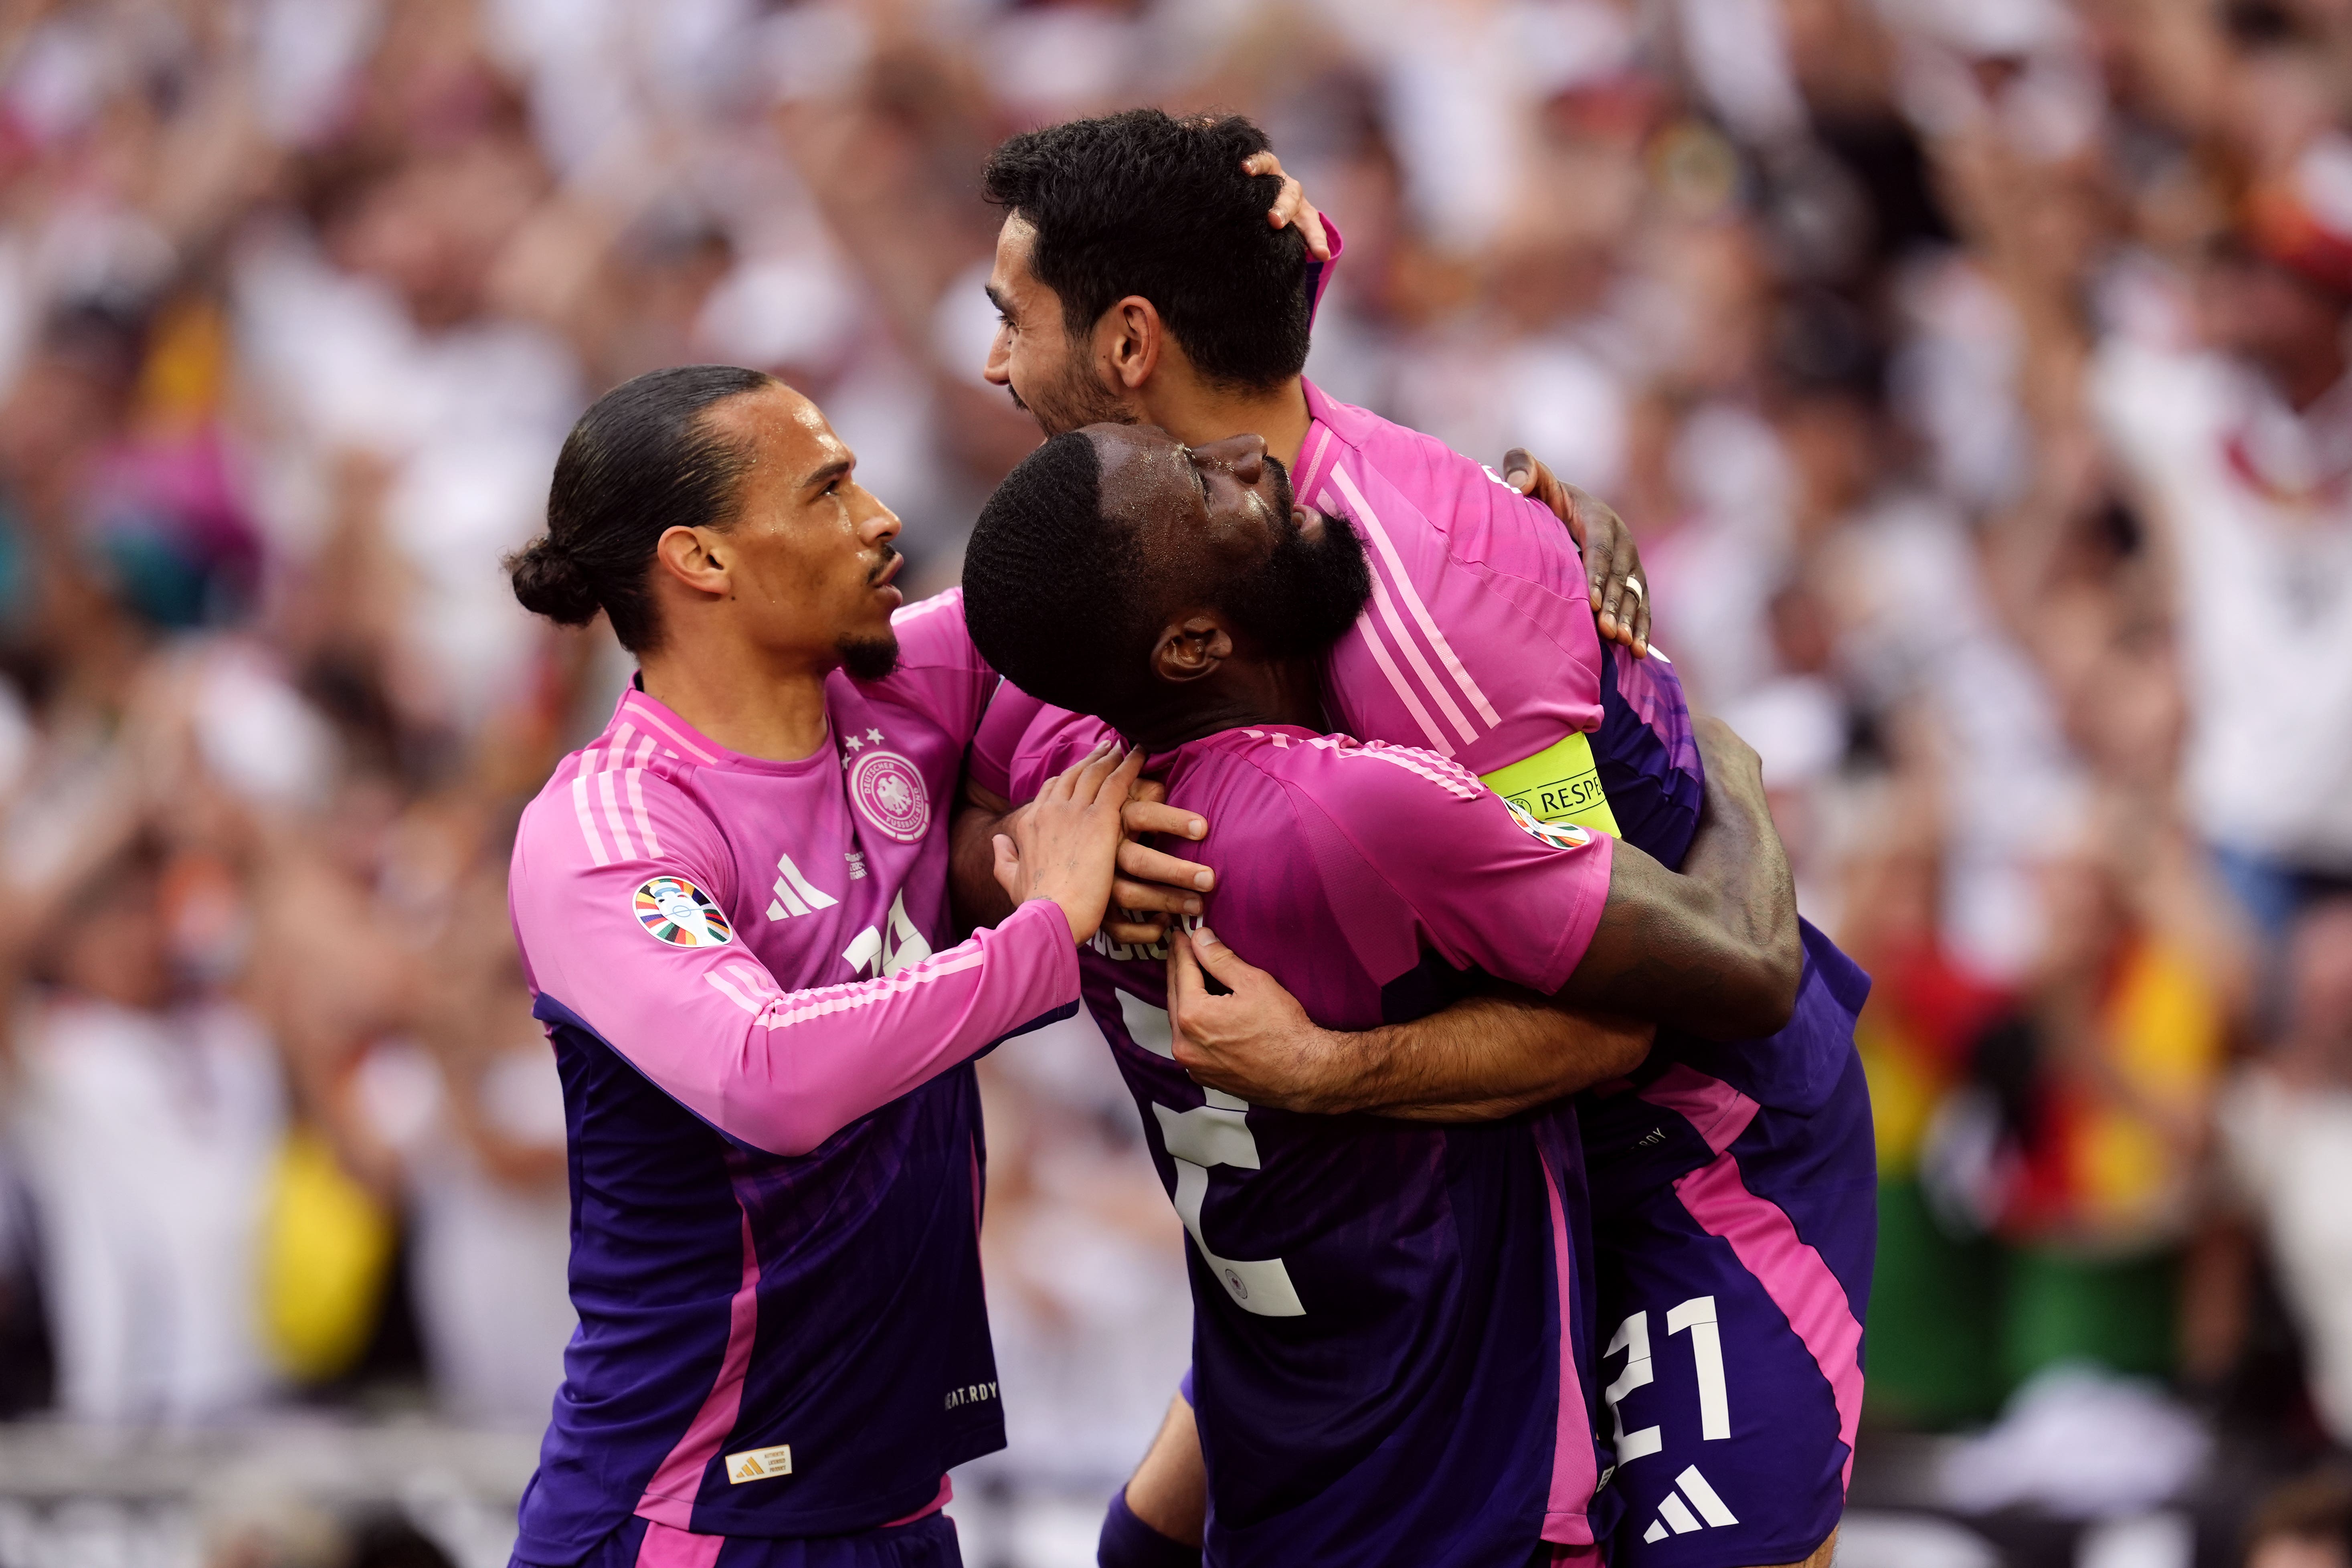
(1129, 339)
(1191, 647)
(693, 556)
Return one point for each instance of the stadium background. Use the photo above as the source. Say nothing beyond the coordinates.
(1917, 340)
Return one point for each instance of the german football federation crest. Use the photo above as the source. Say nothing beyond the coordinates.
(1558, 835)
(677, 912)
(890, 790)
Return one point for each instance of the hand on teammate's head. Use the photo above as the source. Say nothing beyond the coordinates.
(1292, 205)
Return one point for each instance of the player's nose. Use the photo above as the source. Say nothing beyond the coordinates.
(880, 524)
(1243, 456)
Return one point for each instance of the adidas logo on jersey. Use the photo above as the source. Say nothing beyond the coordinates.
(795, 894)
(760, 1464)
(1675, 1515)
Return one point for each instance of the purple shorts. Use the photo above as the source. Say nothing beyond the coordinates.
(926, 1542)
(1735, 1244)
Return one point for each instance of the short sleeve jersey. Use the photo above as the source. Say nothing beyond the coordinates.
(1479, 645)
(764, 1031)
(1386, 1313)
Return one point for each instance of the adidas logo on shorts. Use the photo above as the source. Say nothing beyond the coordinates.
(1675, 1514)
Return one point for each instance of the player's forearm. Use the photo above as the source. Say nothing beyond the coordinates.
(1737, 856)
(784, 1070)
(1480, 1059)
(974, 894)
(1712, 950)
(1503, 1055)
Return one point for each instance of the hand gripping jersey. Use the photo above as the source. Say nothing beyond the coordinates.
(1386, 1313)
(764, 1034)
(1479, 644)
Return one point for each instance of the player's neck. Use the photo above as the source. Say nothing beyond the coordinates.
(1241, 693)
(1196, 414)
(750, 701)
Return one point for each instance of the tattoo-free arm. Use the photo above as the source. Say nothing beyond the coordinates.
(1151, 885)
(974, 894)
(1486, 1057)
(1714, 950)
(1495, 1056)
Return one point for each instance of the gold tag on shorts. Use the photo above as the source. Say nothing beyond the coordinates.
(760, 1464)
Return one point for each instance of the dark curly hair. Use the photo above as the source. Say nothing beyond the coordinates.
(1141, 203)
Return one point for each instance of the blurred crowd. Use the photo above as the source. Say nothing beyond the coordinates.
(1974, 373)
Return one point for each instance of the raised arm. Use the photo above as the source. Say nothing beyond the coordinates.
(1621, 591)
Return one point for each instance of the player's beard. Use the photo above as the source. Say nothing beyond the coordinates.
(868, 659)
(871, 658)
(1072, 401)
(1310, 590)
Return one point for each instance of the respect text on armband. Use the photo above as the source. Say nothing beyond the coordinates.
(1561, 797)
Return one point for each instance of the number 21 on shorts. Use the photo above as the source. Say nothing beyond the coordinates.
(1696, 1318)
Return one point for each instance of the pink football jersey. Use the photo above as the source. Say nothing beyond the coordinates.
(764, 1028)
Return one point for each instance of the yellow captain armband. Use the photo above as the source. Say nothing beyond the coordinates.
(1559, 784)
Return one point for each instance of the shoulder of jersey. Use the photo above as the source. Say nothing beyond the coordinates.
(941, 603)
(1349, 424)
(604, 803)
(1383, 451)
(937, 624)
(1371, 441)
(1377, 763)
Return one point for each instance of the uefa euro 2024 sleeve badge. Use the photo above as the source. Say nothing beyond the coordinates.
(1558, 835)
(675, 910)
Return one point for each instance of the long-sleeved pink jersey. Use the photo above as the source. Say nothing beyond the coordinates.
(764, 1034)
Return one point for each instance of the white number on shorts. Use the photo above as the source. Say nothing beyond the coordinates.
(1695, 1317)
(1633, 1338)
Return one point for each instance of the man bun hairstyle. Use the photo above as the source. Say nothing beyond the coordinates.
(1141, 203)
(1054, 592)
(547, 583)
(641, 461)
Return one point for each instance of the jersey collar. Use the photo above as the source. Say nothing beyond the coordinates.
(1333, 424)
(650, 716)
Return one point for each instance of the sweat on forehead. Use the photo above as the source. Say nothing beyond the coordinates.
(1147, 475)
